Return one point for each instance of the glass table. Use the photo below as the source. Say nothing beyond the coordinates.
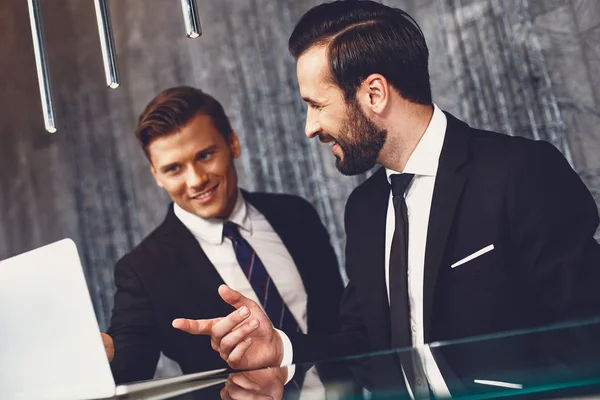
(560, 361)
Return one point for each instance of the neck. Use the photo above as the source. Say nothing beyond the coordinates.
(227, 213)
(406, 126)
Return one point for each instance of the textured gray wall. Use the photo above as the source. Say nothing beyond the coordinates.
(525, 67)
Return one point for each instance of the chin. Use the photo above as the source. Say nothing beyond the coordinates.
(207, 214)
(202, 212)
(214, 212)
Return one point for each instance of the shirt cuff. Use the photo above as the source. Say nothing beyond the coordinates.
(288, 355)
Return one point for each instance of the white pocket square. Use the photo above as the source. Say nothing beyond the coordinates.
(474, 255)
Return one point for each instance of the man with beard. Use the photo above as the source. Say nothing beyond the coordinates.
(462, 232)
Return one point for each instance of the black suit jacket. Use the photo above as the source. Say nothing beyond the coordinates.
(168, 276)
(517, 194)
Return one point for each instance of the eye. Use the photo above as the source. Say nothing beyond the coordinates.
(205, 156)
(172, 169)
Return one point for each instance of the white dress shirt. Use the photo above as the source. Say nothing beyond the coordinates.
(254, 227)
(423, 163)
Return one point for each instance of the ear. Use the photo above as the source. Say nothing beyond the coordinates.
(234, 145)
(373, 94)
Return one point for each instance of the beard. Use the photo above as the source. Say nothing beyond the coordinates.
(361, 144)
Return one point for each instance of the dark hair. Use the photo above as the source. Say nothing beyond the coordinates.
(173, 108)
(362, 38)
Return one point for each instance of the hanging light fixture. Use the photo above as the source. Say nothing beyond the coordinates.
(107, 44)
(190, 17)
(41, 64)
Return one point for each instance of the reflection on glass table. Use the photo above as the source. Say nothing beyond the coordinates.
(560, 361)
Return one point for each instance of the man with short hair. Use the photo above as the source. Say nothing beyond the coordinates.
(462, 232)
(273, 248)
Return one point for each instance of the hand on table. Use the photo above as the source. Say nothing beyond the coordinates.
(109, 346)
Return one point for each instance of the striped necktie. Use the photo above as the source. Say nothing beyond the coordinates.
(261, 282)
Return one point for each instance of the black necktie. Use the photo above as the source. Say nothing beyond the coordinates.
(398, 271)
(398, 283)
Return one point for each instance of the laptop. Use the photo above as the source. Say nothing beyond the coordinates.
(50, 344)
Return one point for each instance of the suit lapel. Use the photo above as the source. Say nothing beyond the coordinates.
(449, 185)
(372, 260)
(187, 255)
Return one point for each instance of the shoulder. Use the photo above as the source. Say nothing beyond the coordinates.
(153, 250)
(287, 203)
(528, 170)
(498, 149)
(486, 144)
(376, 182)
(512, 156)
(287, 209)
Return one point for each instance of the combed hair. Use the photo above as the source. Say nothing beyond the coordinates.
(362, 38)
(174, 108)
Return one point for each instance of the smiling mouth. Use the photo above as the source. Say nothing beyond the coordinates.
(206, 194)
(328, 139)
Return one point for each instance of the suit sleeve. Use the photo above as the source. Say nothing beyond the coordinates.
(351, 340)
(553, 218)
(329, 277)
(132, 328)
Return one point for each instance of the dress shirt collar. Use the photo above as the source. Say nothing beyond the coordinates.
(211, 230)
(425, 158)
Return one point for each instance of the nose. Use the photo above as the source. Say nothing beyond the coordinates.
(312, 127)
(196, 177)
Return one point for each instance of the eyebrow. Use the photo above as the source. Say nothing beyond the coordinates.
(311, 101)
(207, 149)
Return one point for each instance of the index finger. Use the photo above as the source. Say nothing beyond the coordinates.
(195, 326)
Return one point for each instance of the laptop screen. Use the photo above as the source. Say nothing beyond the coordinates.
(50, 342)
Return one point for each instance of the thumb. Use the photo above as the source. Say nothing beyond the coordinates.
(233, 297)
